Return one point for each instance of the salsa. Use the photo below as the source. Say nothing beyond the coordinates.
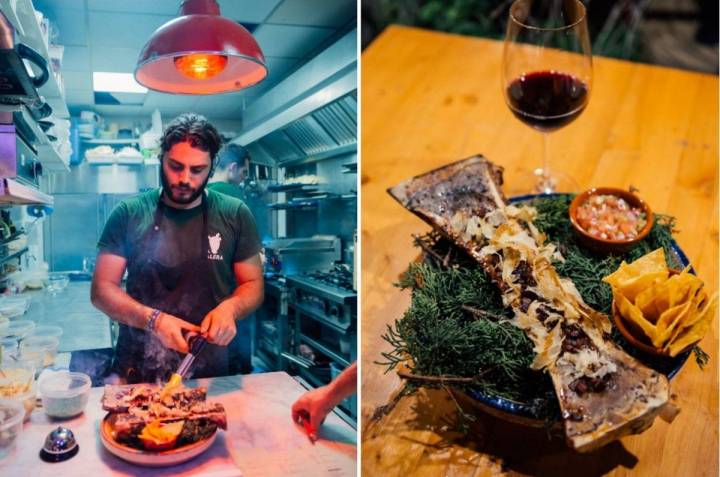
(610, 217)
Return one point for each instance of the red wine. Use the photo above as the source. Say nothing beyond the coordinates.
(547, 100)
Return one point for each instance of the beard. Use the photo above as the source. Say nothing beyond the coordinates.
(180, 193)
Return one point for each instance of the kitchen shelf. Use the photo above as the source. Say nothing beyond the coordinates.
(15, 193)
(290, 206)
(47, 154)
(317, 317)
(325, 350)
(12, 237)
(13, 255)
(31, 35)
(110, 142)
(292, 187)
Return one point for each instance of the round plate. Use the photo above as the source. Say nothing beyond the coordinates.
(527, 414)
(150, 458)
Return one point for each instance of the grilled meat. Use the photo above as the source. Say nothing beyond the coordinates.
(132, 407)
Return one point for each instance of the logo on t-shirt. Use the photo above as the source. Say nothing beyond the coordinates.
(214, 241)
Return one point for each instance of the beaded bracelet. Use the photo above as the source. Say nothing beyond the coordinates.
(153, 320)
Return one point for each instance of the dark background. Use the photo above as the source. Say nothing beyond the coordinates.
(677, 33)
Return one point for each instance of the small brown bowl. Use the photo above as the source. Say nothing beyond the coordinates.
(606, 245)
(635, 336)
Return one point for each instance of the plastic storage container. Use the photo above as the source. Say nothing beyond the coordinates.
(18, 329)
(64, 394)
(47, 346)
(11, 425)
(17, 384)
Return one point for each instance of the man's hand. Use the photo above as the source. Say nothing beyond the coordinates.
(317, 404)
(218, 326)
(169, 329)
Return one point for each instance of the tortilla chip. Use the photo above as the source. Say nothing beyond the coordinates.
(669, 320)
(701, 308)
(653, 262)
(633, 315)
(651, 302)
(695, 333)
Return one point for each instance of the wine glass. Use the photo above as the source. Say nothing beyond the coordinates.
(547, 73)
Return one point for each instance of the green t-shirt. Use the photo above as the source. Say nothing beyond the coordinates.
(228, 189)
(232, 234)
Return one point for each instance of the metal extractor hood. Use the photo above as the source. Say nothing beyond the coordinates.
(310, 114)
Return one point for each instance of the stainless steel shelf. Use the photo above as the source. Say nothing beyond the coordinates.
(325, 350)
(13, 255)
(319, 318)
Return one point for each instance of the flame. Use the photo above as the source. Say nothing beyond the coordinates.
(200, 66)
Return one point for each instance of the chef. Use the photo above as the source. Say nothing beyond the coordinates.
(192, 262)
(230, 173)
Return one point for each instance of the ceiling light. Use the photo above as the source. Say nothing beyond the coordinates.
(200, 52)
(116, 83)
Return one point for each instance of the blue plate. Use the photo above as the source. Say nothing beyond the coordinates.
(531, 413)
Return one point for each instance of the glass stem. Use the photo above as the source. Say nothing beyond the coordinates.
(546, 184)
(546, 158)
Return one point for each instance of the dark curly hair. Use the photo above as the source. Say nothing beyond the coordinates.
(196, 130)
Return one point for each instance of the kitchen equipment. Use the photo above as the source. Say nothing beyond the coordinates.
(272, 332)
(18, 158)
(60, 445)
(298, 255)
(16, 84)
(64, 393)
(323, 308)
(11, 425)
(196, 343)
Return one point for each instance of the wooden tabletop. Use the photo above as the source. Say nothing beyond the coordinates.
(261, 439)
(430, 98)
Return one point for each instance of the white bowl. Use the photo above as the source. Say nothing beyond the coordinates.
(64, 394)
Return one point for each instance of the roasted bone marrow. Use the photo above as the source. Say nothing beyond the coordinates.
(133, 407)
(603, 392)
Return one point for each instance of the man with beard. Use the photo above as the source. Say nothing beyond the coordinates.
(192, 261)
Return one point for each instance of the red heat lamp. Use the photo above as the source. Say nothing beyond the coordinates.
(200, 52)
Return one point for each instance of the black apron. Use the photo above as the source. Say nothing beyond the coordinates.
(184, 291)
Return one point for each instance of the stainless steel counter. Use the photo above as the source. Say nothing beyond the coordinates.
(84, 327)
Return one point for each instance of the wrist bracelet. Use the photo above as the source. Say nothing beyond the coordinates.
(153, 320)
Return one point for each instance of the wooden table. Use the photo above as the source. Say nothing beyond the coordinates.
(261, 439)
(431, 98)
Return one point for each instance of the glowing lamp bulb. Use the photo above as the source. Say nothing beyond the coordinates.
(200, 66)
